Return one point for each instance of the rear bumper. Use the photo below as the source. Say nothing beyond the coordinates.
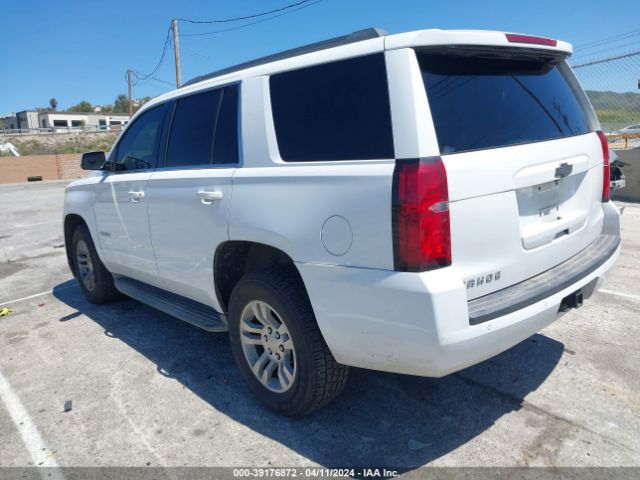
(523, 294)
(419, 323)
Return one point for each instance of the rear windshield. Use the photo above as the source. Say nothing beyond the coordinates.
(482, 102)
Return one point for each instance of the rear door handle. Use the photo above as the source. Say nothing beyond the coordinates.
(209, 197)
(136, 196)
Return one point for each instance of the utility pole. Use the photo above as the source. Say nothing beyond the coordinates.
(130, 99)
(176, 50)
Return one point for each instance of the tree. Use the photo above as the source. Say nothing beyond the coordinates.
(140, 102)
(54, 103)
(83, 106)
(121, 104)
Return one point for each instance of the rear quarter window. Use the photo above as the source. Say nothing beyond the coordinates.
(480, 102)
(225, 145)
(334, 111)
(204, 129)
(192, 128)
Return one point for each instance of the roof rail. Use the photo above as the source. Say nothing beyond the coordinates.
(354, 37)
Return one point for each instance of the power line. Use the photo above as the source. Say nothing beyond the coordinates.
(157, 88)
(612, 39)
(606, 39)
(142, 82)
(611, 44)
(144, 76)
(141, 78)
(161, 81)
(227, 20)
(214, 32)
(595, 62)
(606, 50)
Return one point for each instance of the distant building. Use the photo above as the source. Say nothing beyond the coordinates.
(102, 120)
(32, 119)
(21, 120)
(27, 119)
(9, 121)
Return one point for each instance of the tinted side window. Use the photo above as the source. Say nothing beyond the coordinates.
(225, 146)
(138, 148)
(335, 111)
(191, 137)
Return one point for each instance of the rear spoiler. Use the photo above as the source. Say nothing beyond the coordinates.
(546, 56)
(475, 38)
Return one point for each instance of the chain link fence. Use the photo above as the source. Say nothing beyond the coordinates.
(613, 86)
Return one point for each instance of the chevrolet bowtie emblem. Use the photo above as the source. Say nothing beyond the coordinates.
(563, 170)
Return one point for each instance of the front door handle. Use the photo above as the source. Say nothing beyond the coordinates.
(136, 196)
(208, 198)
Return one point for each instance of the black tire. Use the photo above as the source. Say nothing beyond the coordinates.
(103, 289)
(318, 378)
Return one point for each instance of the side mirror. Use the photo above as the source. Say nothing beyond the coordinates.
(93, 161)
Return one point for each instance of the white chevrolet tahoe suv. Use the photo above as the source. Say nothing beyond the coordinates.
(412, 203)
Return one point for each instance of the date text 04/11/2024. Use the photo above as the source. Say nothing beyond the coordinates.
(315, 472)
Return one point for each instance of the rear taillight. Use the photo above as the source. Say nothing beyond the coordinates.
(515, 38)
(606, 168)
(421, 233)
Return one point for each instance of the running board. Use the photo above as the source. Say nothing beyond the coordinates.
(190, 311)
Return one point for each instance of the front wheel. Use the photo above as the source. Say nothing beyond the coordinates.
(96, 282)
(278, 346)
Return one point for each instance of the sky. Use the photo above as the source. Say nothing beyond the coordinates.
(77, 50)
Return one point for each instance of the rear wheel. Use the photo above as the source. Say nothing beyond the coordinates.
(96, 282)
(278, 346)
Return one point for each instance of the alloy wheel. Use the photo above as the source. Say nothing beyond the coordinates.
(268, 347)
(85, 266)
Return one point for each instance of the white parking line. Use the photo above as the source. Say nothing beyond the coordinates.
(620, 294)
(31, 438)
(35, 295)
